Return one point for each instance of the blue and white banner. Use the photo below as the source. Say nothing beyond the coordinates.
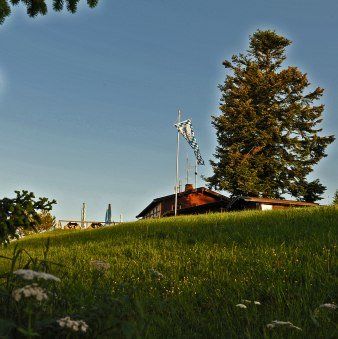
(185, 128)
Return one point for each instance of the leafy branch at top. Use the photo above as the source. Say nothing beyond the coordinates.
(35, 7)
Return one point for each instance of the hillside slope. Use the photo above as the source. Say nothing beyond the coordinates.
(184, 276)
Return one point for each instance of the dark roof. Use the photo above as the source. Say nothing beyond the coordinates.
(226, 204)
(182, 194)
(279, 201)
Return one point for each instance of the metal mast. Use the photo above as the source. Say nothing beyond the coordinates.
(177, 151)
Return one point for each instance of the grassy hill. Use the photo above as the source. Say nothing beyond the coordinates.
(183, 277)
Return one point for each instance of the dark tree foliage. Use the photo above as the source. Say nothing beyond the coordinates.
(21, 212)
(335, 199)
(35, 7)
(268, 139)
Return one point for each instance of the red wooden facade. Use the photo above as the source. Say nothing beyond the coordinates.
(203, 200)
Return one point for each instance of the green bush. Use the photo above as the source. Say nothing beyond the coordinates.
(21, 212)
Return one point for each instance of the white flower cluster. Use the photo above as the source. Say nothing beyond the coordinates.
(75, 325)
(241, 306)
(331, 307)
(100, 265)
(30, 275)
(278, 323)
(30, 291)
(155, 274)
(245, 301)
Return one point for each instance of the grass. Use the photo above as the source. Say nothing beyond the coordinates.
(286, 260)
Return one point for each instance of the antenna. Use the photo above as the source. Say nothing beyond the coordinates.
(190, 167)
(187, 170)
(196, 174)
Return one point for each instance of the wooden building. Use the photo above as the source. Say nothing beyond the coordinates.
(192, 198)
(202, 200)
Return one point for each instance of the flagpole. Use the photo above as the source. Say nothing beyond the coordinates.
(177, 151)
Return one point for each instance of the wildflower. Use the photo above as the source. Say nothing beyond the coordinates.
(74, 325)
(241, 306)
(100, 265)
(30, 291)
(30, 275)
(156, 274)
(246, 301)
(278, 323)
(328, 306)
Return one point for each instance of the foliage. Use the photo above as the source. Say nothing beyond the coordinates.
(21, 212)
(267, 133)
(35, 7)
(335, 198)
(47, 223)
(184, 276)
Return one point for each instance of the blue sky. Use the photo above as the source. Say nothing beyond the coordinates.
(88, 101)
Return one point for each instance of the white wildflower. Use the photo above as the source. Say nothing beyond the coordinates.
(30, 275)
(84, 327)
(246, 301)
(74, 325)
(156, 274)
(241, 306)
(328, 306)
(100, 265)
(278, 323)
(30, 291)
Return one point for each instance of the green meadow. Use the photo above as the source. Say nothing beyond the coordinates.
(185, 277)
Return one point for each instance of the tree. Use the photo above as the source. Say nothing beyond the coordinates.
(35, 7)
(21, 212)
(47, 222)
(335, 199)
(268, 139)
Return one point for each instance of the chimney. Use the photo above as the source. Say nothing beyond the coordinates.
(189, 187)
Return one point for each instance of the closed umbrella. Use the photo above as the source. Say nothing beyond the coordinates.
(108, 215)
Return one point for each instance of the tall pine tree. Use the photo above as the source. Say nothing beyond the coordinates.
(267, 133)
(335, 199)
